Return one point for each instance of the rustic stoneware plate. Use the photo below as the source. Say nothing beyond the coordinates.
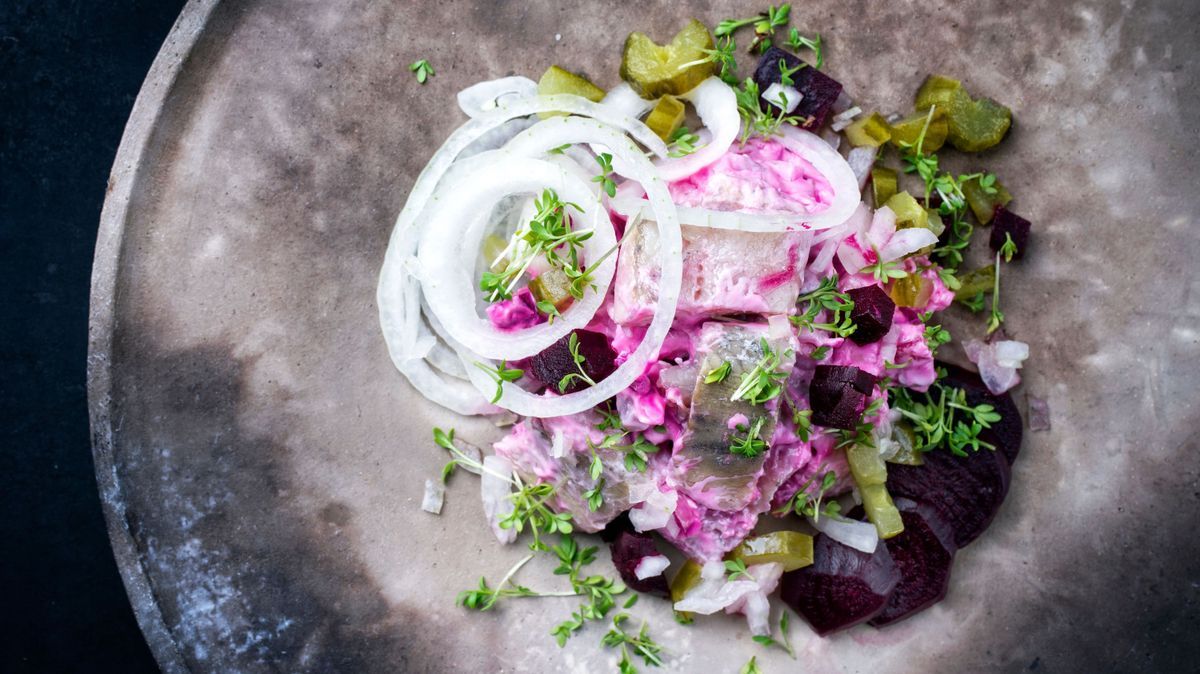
(261, 462)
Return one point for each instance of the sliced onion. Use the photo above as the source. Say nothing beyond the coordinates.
(716, 105)
(625, 101)
(905, 241)
(495, 488)
(861, 160)
(398, 296)
(484, 97)
(862, 536)
(547, 135)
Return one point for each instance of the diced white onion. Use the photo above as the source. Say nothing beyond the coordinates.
(651, 566)
(782, 97)
(625, 101)
(435, 493)
(861, 536)
(998, 362)
(861, 160)
(654, 510)
(850, 113)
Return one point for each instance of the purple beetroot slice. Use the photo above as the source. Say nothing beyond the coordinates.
(872, 314)
(1005, 222)
(924, 554)
(628, 550)
(965, 490)
(556, 362)
(1005, 434)
(842, 588)
(818, 91)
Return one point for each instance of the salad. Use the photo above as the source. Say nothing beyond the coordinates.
(704, 300)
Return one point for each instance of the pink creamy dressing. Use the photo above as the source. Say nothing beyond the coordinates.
(762, 176)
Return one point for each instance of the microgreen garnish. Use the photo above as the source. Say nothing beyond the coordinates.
(935, 335)
(749, 445)
(975, 304)
(548, 234)
(1009, 249)
(599, 592)
(722, 55)
(825, 297)
(997, 316)
(785, 644)
(884, 271)
(804, 504)
(683, 142)
(500, 374)
(820, 352)
(559, 150)
(484, 597)
(636, 453)
(802, 420)
(642, 644)
(581, 374)
(751, 666)
(785, 74)
(718, 373)
(945, 416)
(530, 510)
(797, 42)
(595, 496)
(764, 29)
(757, 122)
(445, 440)
(548, 309)
(604, 159)
(422, 70)
(735, 568)
(764, 381)
(609, 419)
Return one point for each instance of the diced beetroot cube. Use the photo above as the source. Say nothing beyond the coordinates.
(628, 550)
(819, 90)
(872, 314)
(839, 376)
(1005, 222)
(556, 362)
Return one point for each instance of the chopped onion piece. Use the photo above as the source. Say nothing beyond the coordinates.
(1039, 414)
(755, 605)
(495, 488)
(655, 509)
(861, 160)
(998, 362)
(651, 566)
(715, 592)
(782, 96)
(849, 113)
(435, 494)
(479, 98)
(558, 444)
(861, 536)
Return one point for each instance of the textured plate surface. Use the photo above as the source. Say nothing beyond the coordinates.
(262, 462)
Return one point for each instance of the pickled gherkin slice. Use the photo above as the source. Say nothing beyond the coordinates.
(552, 286)
(792, 549)
(982, 204)
(976, 125)
(558, 80)
(869, 131)
(666, 117)
(674, 68)
(907, 454)
(906, 132)
(909, 212)
(911, 291)
(881, 511)
(936, 90)
(866, 466)
(979, 281)
(884, 183)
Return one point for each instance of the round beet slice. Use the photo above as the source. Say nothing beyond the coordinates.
(966, 491)
(1005, 434)
(842, 588)
(924, 553)
(629, 548)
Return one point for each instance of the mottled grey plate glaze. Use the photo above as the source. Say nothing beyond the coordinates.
(261, 462)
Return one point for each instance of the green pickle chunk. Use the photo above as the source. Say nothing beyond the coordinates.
(979, 281)
(792, 549)
(936, 90)
(909, 212)
(558, 80)
(884, 183)
(870, 475)
(552, 286)
(674, 68)
(910, 291)
(982, 204)
(869, 131)
(666, 117)
(977, 125)
(907, 131)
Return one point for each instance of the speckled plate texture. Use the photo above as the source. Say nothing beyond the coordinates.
(262, 463)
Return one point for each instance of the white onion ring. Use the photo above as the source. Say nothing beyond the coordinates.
(482, 97)
(549, 134)
(716, 106)
(625, 101)
(862, 536)
(399, 299)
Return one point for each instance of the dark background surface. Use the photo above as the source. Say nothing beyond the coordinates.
(69, 73)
